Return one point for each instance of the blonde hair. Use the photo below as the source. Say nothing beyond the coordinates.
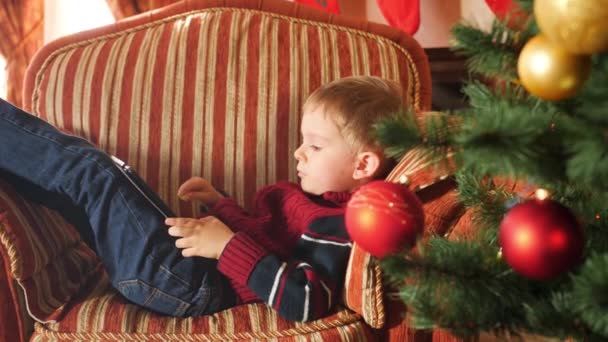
(355, 104)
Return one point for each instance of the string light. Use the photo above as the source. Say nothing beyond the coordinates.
(542, 194)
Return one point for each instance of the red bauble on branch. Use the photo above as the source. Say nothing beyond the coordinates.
(384, 217)
(541, 239)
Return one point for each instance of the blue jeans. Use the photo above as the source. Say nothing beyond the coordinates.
(124, 228)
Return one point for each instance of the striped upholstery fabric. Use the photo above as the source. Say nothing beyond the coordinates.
(211, 88)
(216, 93)
(47, 257)
(434, 185)
(363, 287)
(109, 318)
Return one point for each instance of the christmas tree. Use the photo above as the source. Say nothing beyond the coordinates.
(536, 123)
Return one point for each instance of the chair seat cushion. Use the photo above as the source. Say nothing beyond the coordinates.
(107, 316)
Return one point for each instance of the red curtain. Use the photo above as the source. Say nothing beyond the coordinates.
(22, 32)
(126, 8)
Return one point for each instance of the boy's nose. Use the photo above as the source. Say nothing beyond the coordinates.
(298, 154)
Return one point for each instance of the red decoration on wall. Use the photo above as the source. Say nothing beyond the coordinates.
(402, 14)
(508, 10)
(500, 7)
(326, 5)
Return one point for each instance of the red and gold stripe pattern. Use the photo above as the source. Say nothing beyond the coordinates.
(431, 178)
(215, 93)
(109, 318)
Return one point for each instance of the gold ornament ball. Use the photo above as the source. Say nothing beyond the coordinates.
(550, 72)
(579, 26)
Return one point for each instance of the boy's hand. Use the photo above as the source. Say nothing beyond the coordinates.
(205, 237)
(197, 188)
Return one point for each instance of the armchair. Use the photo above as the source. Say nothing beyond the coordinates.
(211, 88)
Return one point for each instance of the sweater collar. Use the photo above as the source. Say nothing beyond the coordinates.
(338, 198)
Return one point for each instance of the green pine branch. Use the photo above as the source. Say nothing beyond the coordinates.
(591, 102)
(526, 5)
(492, 54)
(590, 294)
(446, 290)
(403, 132)
(398, 134)
(502, 137)
(508, 133)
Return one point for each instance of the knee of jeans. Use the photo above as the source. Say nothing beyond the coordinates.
(152, 298)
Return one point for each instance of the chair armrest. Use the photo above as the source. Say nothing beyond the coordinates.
(363, 292)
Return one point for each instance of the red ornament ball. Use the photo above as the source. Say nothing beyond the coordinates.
(384, 217)
(541, 239)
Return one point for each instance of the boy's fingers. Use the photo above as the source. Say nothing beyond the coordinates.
(180, 221)
(182, 243)
(176, 231)
(194, 183)
(185, 242)
(188, 252)
(186, 187)
(198, 195)
(204, 197)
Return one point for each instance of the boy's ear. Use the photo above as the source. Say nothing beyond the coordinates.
(367, 164)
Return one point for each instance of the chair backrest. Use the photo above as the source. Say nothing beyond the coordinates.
(211, 88)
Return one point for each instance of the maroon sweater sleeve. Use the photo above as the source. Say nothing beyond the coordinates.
(239, 257)
(306, 285)
(229, 212)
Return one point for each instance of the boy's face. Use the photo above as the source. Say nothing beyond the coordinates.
(325, 161)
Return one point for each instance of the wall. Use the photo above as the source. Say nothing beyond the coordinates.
(436, 16)
(63, 17)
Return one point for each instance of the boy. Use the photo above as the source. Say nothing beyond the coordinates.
(255, 253)
(293, 254)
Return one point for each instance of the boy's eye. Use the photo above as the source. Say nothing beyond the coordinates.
(315, 147)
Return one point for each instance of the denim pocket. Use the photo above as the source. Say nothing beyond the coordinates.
(152, 298)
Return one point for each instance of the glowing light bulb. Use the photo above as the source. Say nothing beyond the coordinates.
(542, 194)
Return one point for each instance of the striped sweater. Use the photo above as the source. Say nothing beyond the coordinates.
(291, 253)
